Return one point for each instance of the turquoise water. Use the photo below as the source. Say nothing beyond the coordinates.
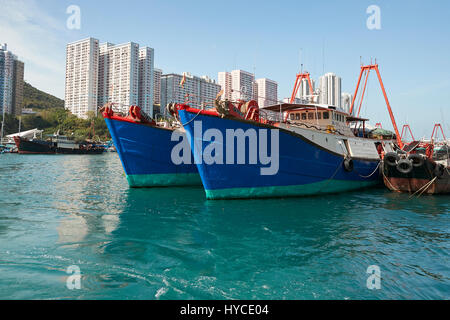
(59, 211)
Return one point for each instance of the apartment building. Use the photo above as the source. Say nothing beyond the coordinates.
(157, 73)
(304, 91)
(267, 92)
(11, 82)
(119, 75)
(197, 91)
(100, 73)
(82, 62)
(330, 90)
(224, 80)
(242, 85)
(146, 80)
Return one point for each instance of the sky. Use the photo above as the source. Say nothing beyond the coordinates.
(270, 38)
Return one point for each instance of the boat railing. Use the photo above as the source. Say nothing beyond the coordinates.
(270, 116)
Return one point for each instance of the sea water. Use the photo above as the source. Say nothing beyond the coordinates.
(60, 214)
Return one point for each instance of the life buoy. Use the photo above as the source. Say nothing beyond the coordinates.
(416, 159)
(404, 166)
(348, 164)
(439, 170)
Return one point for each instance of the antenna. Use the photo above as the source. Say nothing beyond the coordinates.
(300, 59)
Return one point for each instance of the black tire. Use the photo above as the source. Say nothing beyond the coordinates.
(404, 166)
(439, 170)
(391, 158)
(416, 159)
(349, 165)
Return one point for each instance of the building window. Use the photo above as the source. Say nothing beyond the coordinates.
(303, 116)
(310, 116)
(297, 116)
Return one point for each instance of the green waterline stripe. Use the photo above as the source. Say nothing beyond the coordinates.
(164, 180)
(333, 186)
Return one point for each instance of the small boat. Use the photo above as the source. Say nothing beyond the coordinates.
(418, 168)
(55, 145)
(145, 148)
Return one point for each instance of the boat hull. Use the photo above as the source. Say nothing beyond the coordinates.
(304, 168)
(145, 153)
(44, 147)
(417, 180)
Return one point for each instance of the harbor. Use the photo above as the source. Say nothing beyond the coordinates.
(196, 161)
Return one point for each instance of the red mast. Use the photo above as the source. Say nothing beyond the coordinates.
(367, 69)
(436, 128)
(405, 129)
(298, 82)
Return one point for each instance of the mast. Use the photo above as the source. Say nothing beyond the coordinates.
(405, 129)
(367, 69)
(298, 82)
(436, 128)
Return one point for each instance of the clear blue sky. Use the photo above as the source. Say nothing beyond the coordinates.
(204, 37)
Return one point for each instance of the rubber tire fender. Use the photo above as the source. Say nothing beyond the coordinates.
(391, 158)
(416, 159)
(439, 170)
(348, 164)
(404, 166)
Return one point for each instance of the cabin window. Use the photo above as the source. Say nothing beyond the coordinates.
(326, 115)
(310, 116)
(292, 116)
(319, 115)
(297, 116)
(303, 116)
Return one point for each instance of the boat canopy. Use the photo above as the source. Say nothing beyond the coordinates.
(26, 134)
(283, 107)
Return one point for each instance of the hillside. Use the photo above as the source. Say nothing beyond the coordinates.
(51, 117)
(39, 100)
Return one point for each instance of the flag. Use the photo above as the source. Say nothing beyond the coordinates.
(183, 81)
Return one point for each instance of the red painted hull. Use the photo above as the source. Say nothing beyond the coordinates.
(420, 179)
(412, 185)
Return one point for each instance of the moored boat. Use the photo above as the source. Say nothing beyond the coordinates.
(418, 168)
(246, 152)
(313, 148)
(55, 145)
(145, 148)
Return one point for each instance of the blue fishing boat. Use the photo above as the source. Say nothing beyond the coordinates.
(145, 147)
(289, 149)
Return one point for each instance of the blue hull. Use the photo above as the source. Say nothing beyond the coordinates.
(145, 152)
(304, 167)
